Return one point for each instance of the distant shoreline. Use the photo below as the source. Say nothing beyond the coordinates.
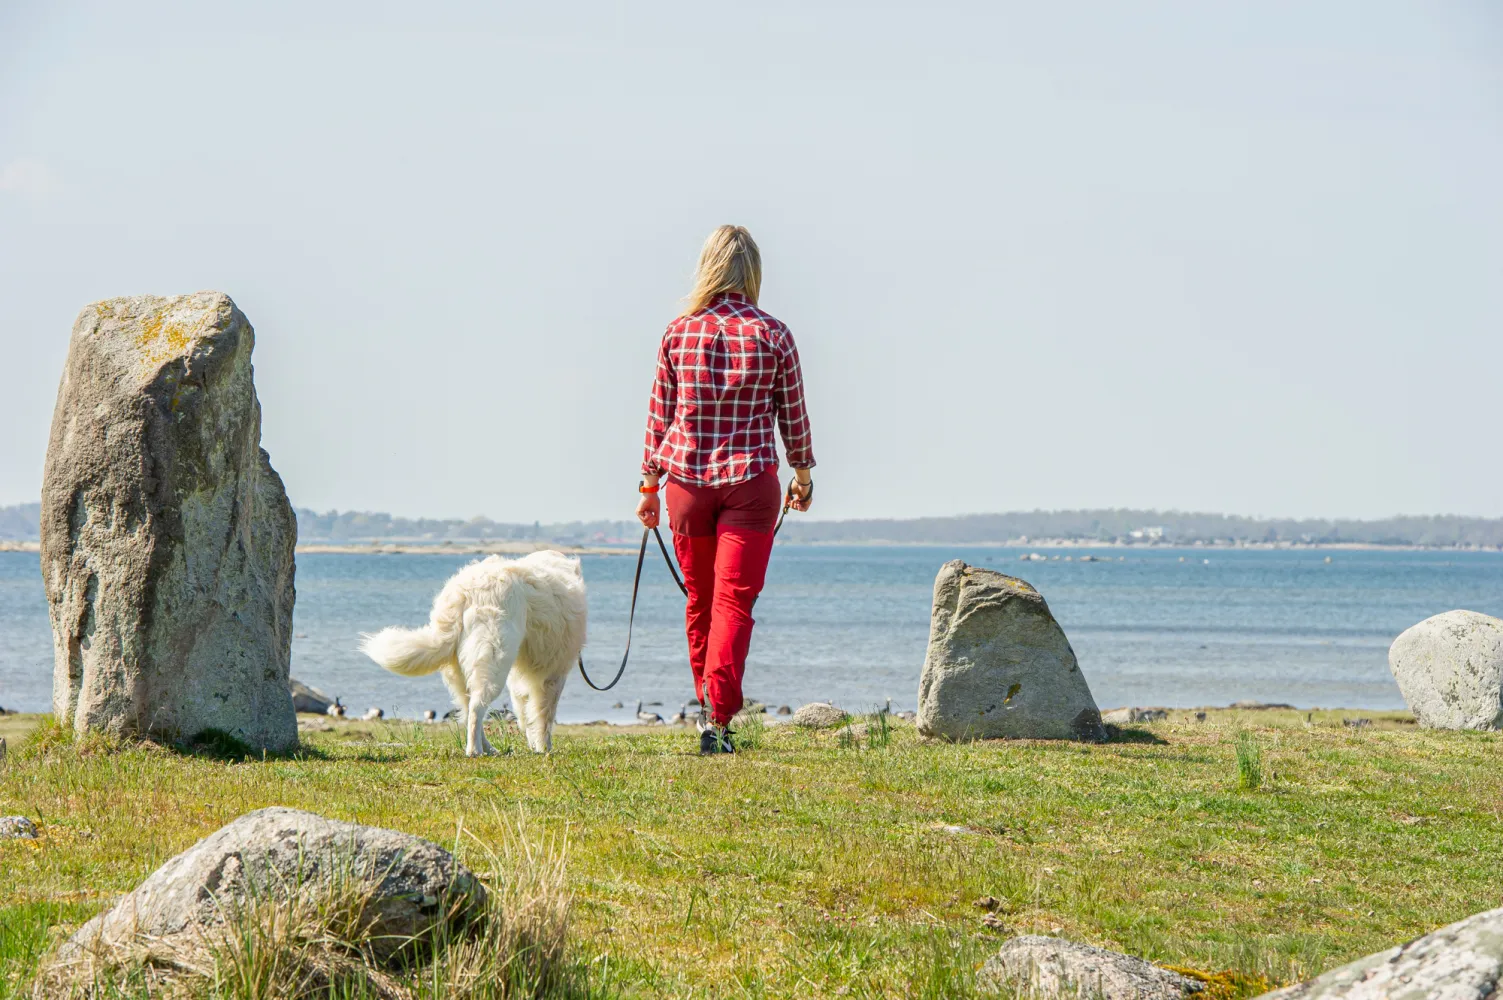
(624, 549)
(412, 548)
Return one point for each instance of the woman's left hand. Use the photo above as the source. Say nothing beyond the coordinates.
(648, 510)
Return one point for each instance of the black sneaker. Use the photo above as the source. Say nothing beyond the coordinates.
(716, 739)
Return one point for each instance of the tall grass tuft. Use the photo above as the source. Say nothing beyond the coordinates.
(1249, 762)
(751, 730)
(873, 730)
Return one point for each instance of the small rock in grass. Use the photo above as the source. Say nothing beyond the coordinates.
(1035, 965)
(993, 922)
(308, 699)
(1461, 962)
(1123, 716)
(818, 715)
(17, 827)
(990, 904)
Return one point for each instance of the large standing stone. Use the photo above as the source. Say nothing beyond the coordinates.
(273, 853)
(1461, 962)
(167, 538)
(1450, 670)
(999, 665)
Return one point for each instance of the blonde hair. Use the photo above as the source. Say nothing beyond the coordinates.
(729, 262)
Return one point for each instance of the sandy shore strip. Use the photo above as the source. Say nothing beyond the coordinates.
(418, 548)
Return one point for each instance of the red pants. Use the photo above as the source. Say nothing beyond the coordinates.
(723, 538)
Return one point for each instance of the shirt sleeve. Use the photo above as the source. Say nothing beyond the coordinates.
(660, 408)
(793, 417)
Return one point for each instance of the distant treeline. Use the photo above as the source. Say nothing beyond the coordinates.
(359, 526)
(19, 523)
(1150, 526)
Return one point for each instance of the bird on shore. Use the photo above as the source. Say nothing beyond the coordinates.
(372, 714)
(430, 715)
(336, 710)
(682, 718)
(650, 718)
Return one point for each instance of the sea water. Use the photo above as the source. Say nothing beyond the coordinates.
(849, 624)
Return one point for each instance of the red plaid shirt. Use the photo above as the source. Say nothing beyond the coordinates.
(723, 375)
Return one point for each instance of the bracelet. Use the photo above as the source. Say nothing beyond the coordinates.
(642, 487)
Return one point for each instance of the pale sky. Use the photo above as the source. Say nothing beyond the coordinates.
(1239, 257)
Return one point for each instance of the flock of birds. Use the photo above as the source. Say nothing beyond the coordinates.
(644, 717)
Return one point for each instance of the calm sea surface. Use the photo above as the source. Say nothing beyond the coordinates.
(849, 624)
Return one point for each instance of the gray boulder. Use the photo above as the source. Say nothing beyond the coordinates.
(273, 853)
(167, 538)
(1033, 965)
(1461, 962)
(818, 715)
(309, 699)
(1450, 670)
(999, 665)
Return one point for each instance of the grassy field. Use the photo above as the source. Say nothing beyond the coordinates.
(1270, 843)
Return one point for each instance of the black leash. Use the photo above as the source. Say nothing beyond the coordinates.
(637, 585)
(631, 618)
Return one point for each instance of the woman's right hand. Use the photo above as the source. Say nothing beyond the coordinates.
(648, 510)
(800, 494)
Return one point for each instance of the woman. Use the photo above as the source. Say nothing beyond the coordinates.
(726, 371)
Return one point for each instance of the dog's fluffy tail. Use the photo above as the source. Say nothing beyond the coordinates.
(410, 652)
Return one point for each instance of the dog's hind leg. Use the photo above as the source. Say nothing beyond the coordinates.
(458, 690)
(541, 700)
(485, 658)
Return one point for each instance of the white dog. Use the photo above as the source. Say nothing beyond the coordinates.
(520, 621)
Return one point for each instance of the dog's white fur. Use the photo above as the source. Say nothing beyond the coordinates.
(521, 621)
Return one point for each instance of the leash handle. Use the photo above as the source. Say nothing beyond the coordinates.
(788, 504)
(631, 618)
